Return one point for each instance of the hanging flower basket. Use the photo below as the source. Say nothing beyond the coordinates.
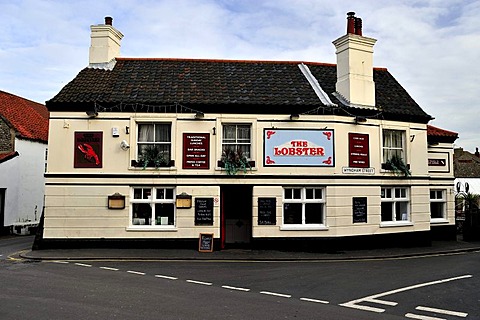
(234, 161)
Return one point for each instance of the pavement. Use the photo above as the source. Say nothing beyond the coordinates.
(437, 248)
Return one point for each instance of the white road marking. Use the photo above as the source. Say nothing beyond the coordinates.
(83, 264)
(136, 272)
(61, 262)
(443, 311)
(276, 294)
(417, 316)
(314, 300)
(108, 268)
(373, 298)
(200, 282)
(165, 277)
(236, 288)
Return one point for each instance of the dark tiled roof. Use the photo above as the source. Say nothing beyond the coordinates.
(225, 86)
(466, 164)
(435, 134)
(29, 119)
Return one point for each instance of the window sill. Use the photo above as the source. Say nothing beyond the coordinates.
(315, 227)
(149, 169)
(438, 221)
(389, 224)
(152, 228)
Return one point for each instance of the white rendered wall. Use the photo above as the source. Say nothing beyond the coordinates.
(23, 178)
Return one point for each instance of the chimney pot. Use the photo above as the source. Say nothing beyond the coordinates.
(358, 26)
(351, 22)
(108, 21)
(477, 153)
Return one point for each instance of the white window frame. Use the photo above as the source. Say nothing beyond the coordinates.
(389, 195)
(152, 200)
(439, 196)
(237, 141)
(303, 200)
(159, 143)
(389, 150)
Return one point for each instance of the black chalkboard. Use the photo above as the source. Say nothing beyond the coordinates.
(359, 208)
(204, 211)
(205, 242)
(267, 211)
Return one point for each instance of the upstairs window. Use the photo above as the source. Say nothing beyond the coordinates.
(393, 144)
(154, 144)
(237, 137)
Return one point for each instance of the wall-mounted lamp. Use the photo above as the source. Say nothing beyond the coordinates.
(116, 201)
(412, 137)
(214, 130)
(360, 119)
(92, 113)
(294, 116)
(199, 115)
(127, 129)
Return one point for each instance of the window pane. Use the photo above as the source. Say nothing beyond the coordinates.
(146, 193)
(164, 214)
(288, 193)
(314, 213)
(401, 211)
(142, 214)
(229, 132)
(168, 193)
(162, 132)
(297, 193)
(292, 213)
(387, 213)
(145, 132)
(436, 210)
(137, 193)
(160, 193)
(244, 133)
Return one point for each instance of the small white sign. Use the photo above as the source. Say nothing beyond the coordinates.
(351, 170)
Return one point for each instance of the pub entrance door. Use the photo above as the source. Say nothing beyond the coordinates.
(236, 216)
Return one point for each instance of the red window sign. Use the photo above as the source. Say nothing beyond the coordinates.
(196, 151)
(88, 150)
(358, 150)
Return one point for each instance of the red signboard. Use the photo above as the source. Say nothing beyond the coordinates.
(358, 150)
(88, 150)
(196, 151)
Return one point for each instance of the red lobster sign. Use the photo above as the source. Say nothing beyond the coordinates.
(88, 149)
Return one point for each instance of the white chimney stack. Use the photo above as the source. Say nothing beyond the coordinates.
(355, 65)
(105, 44)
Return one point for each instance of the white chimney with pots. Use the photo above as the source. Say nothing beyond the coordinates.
(355, 85)
(105, 44)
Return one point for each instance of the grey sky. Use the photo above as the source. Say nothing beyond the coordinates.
(430, 46)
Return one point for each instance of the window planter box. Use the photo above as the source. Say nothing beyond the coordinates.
(221, 164)
(151, 164)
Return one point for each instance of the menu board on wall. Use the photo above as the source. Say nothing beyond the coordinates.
(358, 150)
(359, 209)
(204, 211)
(196, 151)
(267, 211)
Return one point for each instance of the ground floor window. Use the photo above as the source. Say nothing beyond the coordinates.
(303, 206)
(437, 204)
(153, 206)
(395, 204)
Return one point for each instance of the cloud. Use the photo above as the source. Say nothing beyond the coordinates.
(430, 46)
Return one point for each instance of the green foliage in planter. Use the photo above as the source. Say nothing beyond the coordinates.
(153, 156)
(398, 166)
(234, 161)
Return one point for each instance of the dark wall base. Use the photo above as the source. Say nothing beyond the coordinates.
(444, 233)
(332, 245)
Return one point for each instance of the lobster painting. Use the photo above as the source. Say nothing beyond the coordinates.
(89, 153)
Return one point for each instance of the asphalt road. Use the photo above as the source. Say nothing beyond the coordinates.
(443, 287)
